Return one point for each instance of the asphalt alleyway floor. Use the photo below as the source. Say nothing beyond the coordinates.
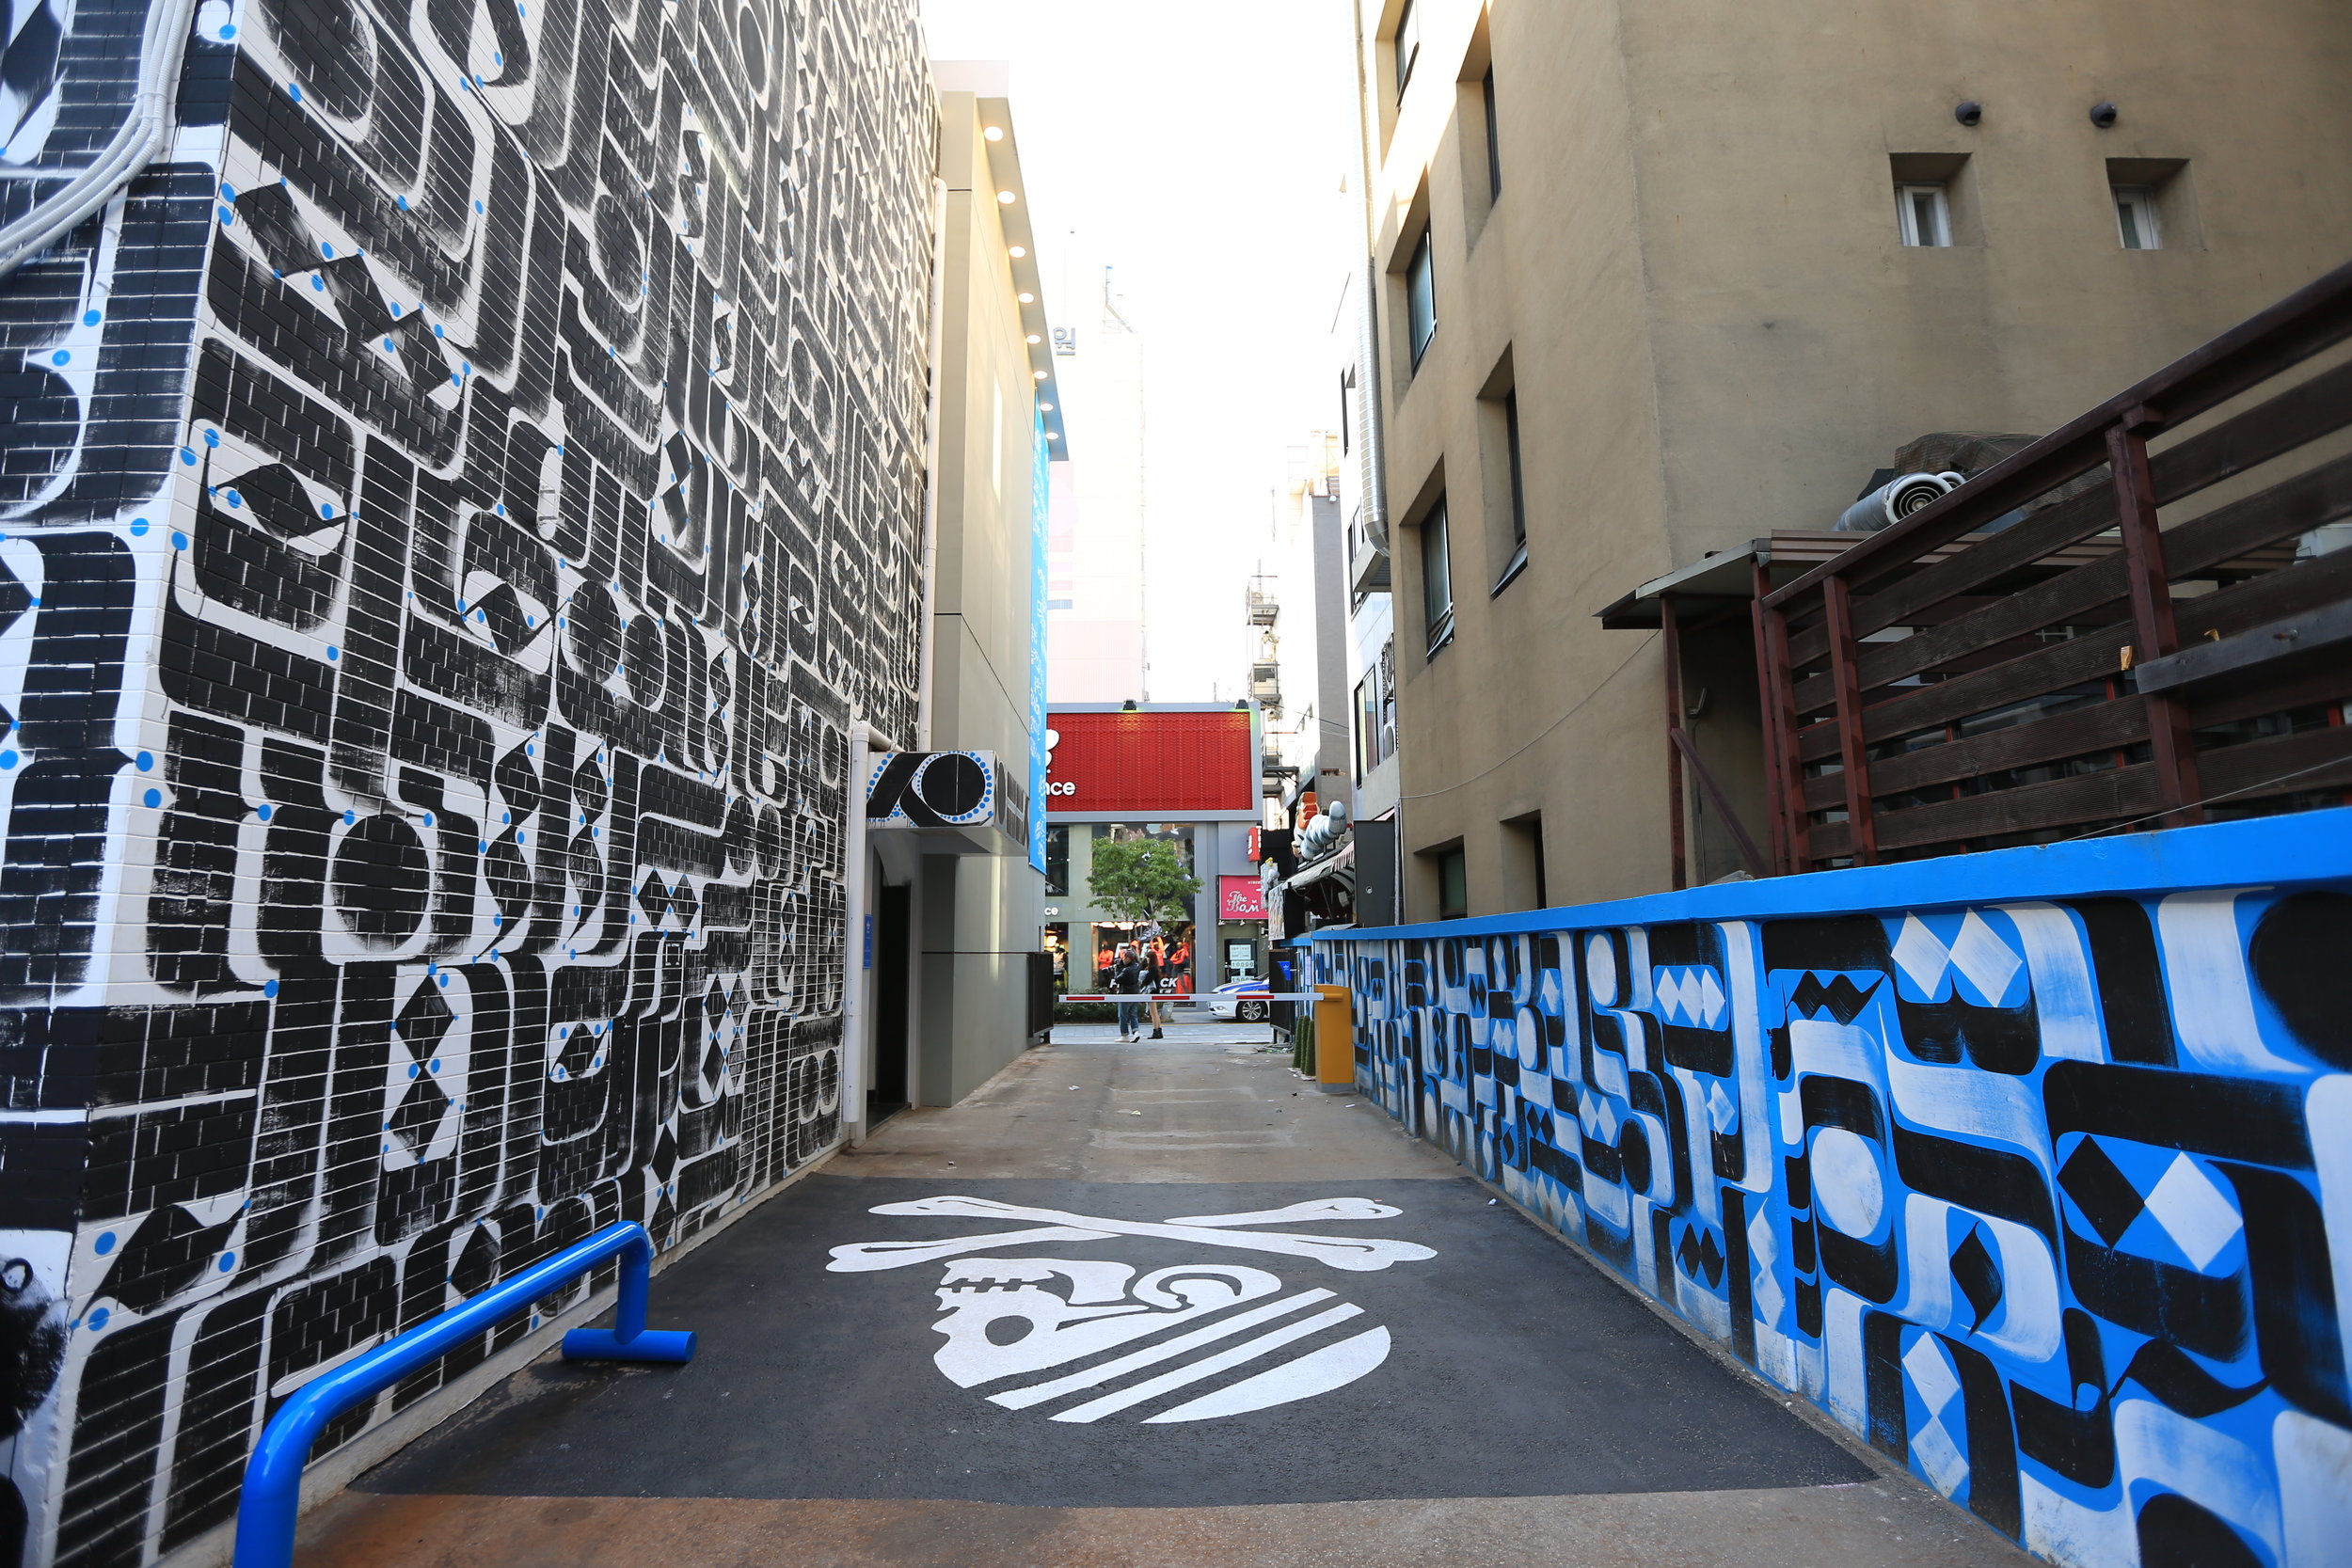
(1143, 1306)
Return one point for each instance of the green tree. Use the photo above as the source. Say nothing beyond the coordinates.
(1141, 878)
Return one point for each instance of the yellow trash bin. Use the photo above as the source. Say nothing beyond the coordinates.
(1335, 1036)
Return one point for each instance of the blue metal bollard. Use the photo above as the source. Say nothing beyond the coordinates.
(272, 1476)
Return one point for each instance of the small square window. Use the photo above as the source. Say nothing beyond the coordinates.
(1924, 214)
(2136, 222)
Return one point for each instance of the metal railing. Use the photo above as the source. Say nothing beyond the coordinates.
(2006, 667)
(267, 1511)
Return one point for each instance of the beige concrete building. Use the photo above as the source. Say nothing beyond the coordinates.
(958, 915)
(1662, 276)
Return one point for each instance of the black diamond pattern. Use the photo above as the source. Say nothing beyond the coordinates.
(1840, 995)
(424, 1020)
(1701, 1258)
(419, 1113)
(2103, 1194)
(1978, 1275)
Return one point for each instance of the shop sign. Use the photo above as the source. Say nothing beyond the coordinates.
(1155, 767)
(1240, 898)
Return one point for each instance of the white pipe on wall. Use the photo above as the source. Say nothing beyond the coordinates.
(856, 1070)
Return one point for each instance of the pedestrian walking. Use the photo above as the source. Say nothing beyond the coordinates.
(1127, 983)
(1153, 971)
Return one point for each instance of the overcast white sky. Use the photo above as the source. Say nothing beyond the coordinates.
(1198, 145)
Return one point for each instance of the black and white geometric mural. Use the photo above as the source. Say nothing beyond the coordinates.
(2047, 1195)
(450, 508)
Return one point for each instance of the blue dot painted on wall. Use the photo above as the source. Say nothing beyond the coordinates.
(269, 988)
(228, 218)
(433, 1066)
(145, 760)
(477, 206)
(350, 818)
(227, 192)
(414, 1069)
(294, 92)
(91, 318)
(212, 438)
(318, 283)
(98, 1319)
(105, 1244)
(233, 498)
(496, 58)
(326, 509)
(333, 653)
(178, 540)
(497, 920)
(187, 456)
(7, 759)
(228, 1261)
(437, 331)
(522, 838)
(428, 819)
(482, 846)
(139, 528)
(228, 29)
(61, 357)
(531, 622)
(154, 798)
(444, 982)
(326, 250)
(265, 812)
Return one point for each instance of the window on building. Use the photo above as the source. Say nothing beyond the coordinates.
(2136, 222)
(1494, 139)
(1367, 724)
(1058, 862)
(1519, 482)
(1924, 214)
(1407, 45)
(1453, 884)
(1437, 577)
(1421, 299)
(1523, 864)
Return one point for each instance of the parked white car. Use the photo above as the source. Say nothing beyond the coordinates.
(1244, 999)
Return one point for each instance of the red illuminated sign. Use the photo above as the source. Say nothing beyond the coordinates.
(1152, 766)
(1240, 898)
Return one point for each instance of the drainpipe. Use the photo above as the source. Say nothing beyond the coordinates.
(931, 468)
(145, 133)
(865, 740)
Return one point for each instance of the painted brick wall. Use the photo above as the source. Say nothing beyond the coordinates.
(2034, 1170)
(451, 504)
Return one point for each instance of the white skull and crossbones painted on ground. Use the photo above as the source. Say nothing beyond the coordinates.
(1189, 1325)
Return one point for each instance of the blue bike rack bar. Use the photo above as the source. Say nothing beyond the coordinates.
(272, 1476)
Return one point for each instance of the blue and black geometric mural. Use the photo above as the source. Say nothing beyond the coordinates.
(451, 506)
(2035, 1197)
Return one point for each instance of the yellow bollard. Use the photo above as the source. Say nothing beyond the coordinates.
(1335, 1036)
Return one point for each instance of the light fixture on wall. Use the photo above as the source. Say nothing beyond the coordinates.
(2103, 116)
(1968, 113)
(1027, 299)
(995, 133)
(1035, 338)
(1037, 375)
(1018, 251)
(1006, 198)
(1127, 707)
(1047, 406)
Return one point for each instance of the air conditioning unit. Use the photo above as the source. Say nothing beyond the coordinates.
(1263, 610)
(1897, 498)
